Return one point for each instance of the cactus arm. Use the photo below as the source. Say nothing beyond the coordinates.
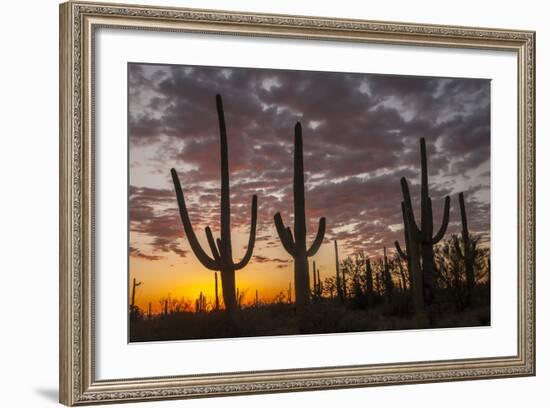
(444, 223)
(220, 247)
(289, 232)
(202, 256)
(401, 253)
(252, 237)
(318, 239)
(284, 235)
(212, 244)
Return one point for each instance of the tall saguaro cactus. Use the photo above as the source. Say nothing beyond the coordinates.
(296, 245)
(222, 257)
(468, 254)
(135, 284)
(423, 235)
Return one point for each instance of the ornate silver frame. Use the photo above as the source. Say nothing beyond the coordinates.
(78, 22)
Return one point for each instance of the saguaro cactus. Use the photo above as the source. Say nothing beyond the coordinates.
(133, 309)
(423, 236)
(468, 254)
(296, 245)
(317, 288)
(200, 304)
(319, 284)
(222, 257)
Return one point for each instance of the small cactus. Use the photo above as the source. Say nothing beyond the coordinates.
(340, 291)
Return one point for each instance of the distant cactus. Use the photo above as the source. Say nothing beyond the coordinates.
(404, 280)
(222, 259)
(317, 285)
(339, 286)
(387, 279)
(344, 282)
(378, 283)
(368, 277)
(423, 236)
(296, 245)
(133, 309)
(217, 298)
(468, 255)
(200, 304)
(239, 298)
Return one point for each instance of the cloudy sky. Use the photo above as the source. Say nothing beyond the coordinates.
(361, 135)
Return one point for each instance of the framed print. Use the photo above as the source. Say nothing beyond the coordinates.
(262, 203)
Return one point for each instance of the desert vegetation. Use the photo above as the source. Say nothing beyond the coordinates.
(428, 280)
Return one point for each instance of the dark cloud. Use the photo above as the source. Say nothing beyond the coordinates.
(265, 259)
(136, 253)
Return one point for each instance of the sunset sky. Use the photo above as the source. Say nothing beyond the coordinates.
(361, 135)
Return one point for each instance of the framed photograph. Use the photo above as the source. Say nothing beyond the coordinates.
(256, 203)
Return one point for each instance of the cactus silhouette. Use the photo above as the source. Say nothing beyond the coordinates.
(368, 277)
(423, 236)
(222, 257)
(317, 286)
(412, 255)
(469, 252)
(217, 298)
(404, 279)
(388, 282)
(200, 304)
(296, 245)
(133, 309)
